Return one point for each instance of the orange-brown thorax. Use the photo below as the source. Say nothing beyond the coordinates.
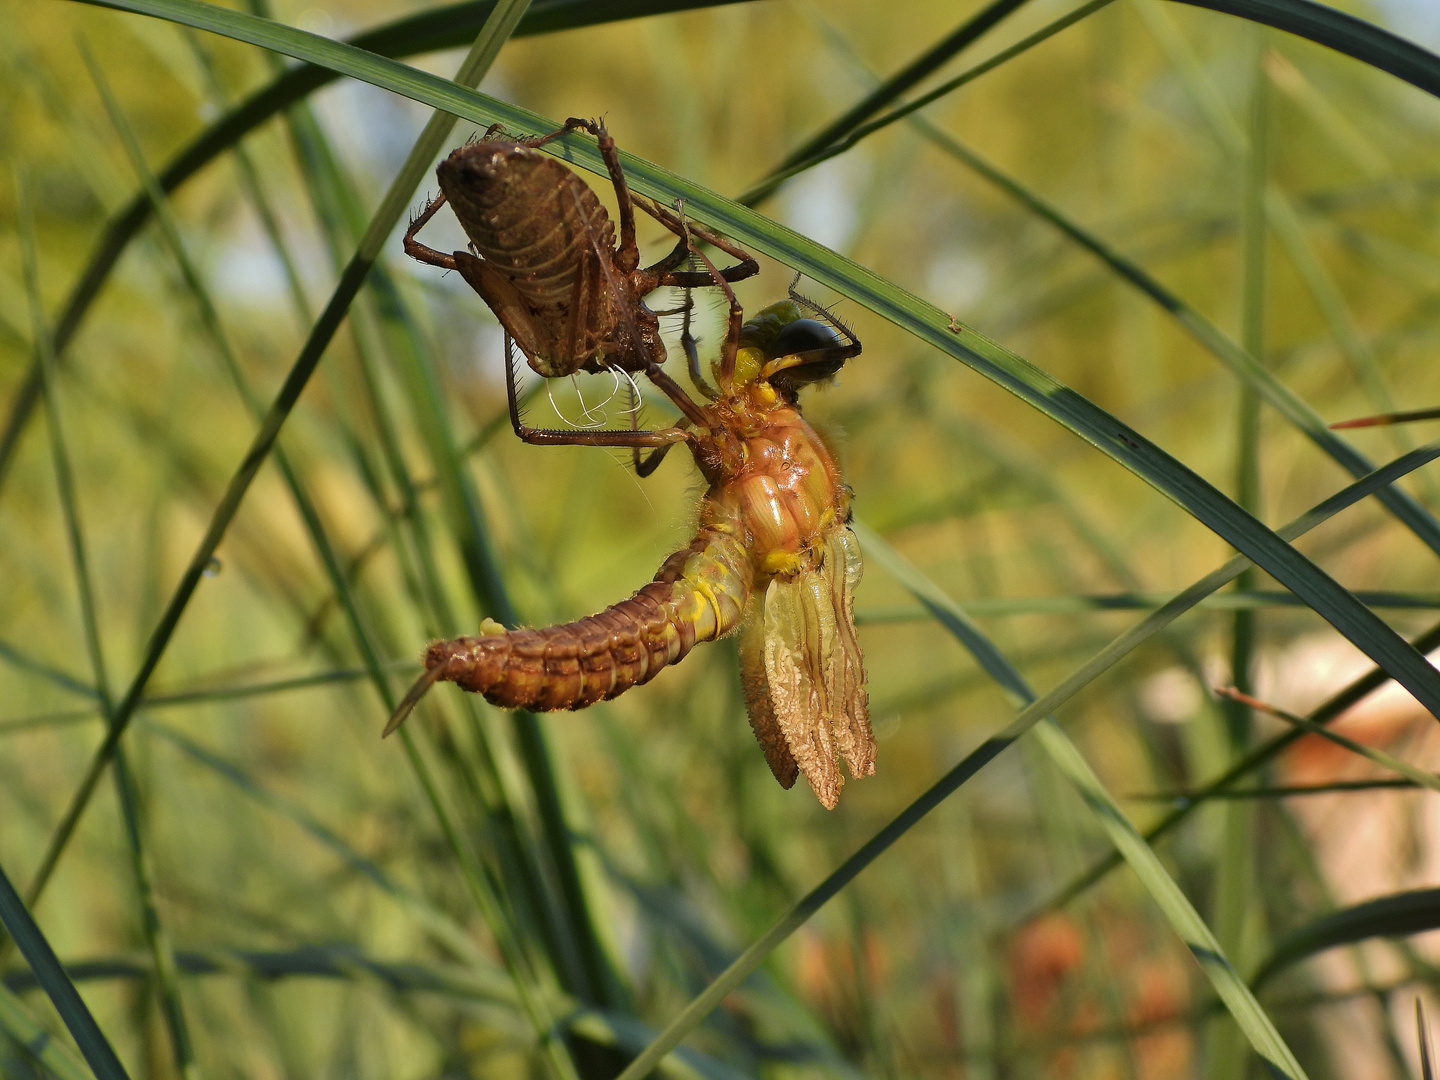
(771, 474)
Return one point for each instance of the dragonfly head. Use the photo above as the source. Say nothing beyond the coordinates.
(784, 347)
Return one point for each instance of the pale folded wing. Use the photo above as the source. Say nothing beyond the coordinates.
(814, 669)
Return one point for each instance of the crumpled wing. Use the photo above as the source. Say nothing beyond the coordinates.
(814, 669)
(756, 686)
(851, 720)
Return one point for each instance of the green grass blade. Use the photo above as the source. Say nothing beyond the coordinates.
(166, 983)
(1325, 712)
(1423, 1031)
(55, 1056)
(305, 961)
(59, 451)
(1234, 911)
(1277, 791)
(1088, 604)
(449, 934)
(19, 659)
(260, 689)
(864, 131)
(913, 73)
(1239, 359)
(1143, 861)
(52, 978)
(1344, 33)
(162, 953)
(1418, 777)
(30, 723)
(1243, 1007)
(1398, 915)
(1214, 340)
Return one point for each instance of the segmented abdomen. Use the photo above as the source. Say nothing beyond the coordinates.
(528, 216)
(698, 595)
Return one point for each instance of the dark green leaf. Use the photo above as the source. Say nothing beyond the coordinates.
(1399, 915)
(52, 978)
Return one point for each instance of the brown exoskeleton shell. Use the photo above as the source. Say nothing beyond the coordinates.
(545, 259)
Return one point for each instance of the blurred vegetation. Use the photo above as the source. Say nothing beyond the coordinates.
(261, 888)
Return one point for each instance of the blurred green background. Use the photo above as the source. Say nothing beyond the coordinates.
(601, 868)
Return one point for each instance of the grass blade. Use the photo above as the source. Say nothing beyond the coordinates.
(1183, 918)
(166, 983)
(1327, 711)
(864, 131)
(1418, 777)
(1210, 337)
(1398, 915)
(30, 1036)
(1280, 791)
(1423, 1032)
(306, 961)
(1344, 33)
(445, 931)
(913, 73)
(52, 978)
(1242, 360)
(1089, 603)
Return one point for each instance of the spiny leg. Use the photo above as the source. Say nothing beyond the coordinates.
(627, 255)
(550, 437)
(687, 342)
(534, 142)
(678, 255)
(419, 251)
(745, 267)
(676, 393)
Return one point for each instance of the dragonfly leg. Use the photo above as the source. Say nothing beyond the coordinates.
(692, 354)
(647, 463)
(840, 352)
(737, 318)
(417, 250)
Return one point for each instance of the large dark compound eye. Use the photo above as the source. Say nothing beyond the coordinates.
(803, 336)
(811, 351)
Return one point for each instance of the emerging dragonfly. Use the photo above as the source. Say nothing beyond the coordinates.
(544, 254)
(773, 557)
